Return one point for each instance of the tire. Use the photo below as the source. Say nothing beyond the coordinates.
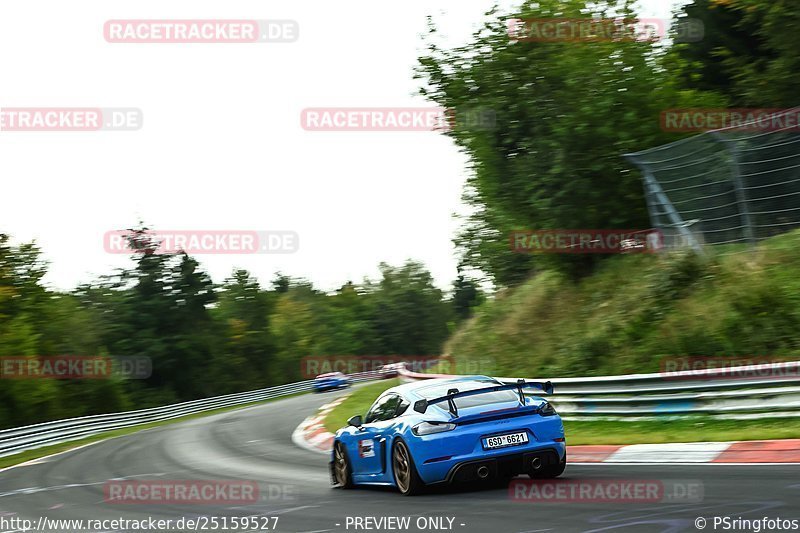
(404, 470)
(552, 471)
(341, 467)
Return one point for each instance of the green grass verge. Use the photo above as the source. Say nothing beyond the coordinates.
(357, 403)
(637, 312)
(29, 455)
(668, 429)
(694, 429)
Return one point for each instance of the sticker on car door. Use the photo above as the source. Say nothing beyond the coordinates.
(366, 448)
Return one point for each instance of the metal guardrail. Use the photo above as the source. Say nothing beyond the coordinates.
(25, 438)
(738, 392)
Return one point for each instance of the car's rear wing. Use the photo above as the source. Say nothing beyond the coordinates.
(421, 406)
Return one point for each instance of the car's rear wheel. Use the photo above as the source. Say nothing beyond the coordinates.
(550, 472)
(405, 472)
(341, 467)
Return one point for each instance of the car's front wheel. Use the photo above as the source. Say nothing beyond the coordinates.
(405, 472)
(341, 467)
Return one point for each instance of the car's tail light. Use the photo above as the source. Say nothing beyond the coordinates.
(426, 428)
(547, 409)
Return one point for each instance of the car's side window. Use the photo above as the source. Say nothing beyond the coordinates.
(390, 411)
(383, 409)
(372, 414)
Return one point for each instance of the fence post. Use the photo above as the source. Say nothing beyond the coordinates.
(653, 188)
(738, 186)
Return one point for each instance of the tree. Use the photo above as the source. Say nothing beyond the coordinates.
(244, 313)
(409, 312)
(467, 295)
(565, 114)
(750, 52)
(281, 283)
(293, 327)
(202, 340)
(163, 314)
(21, 296)
(704, 64)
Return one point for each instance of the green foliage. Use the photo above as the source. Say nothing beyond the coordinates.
(565, 113)
(750, 52)
(203, 340)
(410, 315)
(638, 309)
(467, 295)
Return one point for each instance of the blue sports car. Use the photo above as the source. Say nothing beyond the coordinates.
(450, 430)
(330, 381)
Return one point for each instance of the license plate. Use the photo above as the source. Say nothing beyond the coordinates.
(501, 441)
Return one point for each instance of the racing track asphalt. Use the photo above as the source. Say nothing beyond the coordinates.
(255, 444)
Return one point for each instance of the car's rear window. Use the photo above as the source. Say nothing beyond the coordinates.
(440, 389)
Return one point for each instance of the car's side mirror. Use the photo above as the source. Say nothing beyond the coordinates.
(356, 421)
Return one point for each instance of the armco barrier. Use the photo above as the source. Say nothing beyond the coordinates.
(20, 439)
(741, 392)
(774, 390)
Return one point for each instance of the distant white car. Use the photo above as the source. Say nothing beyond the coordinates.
(627, 246)
(391, 370)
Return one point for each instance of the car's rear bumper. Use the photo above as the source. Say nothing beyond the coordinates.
(440, 457)
(437, 467)
(328, 385)
(507, 465)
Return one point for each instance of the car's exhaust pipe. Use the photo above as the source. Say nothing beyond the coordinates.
(483, 472)
(536, 463)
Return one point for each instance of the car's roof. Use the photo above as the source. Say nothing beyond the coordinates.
(330, 375)
(413, 388)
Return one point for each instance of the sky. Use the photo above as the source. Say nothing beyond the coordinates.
(221, 146)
